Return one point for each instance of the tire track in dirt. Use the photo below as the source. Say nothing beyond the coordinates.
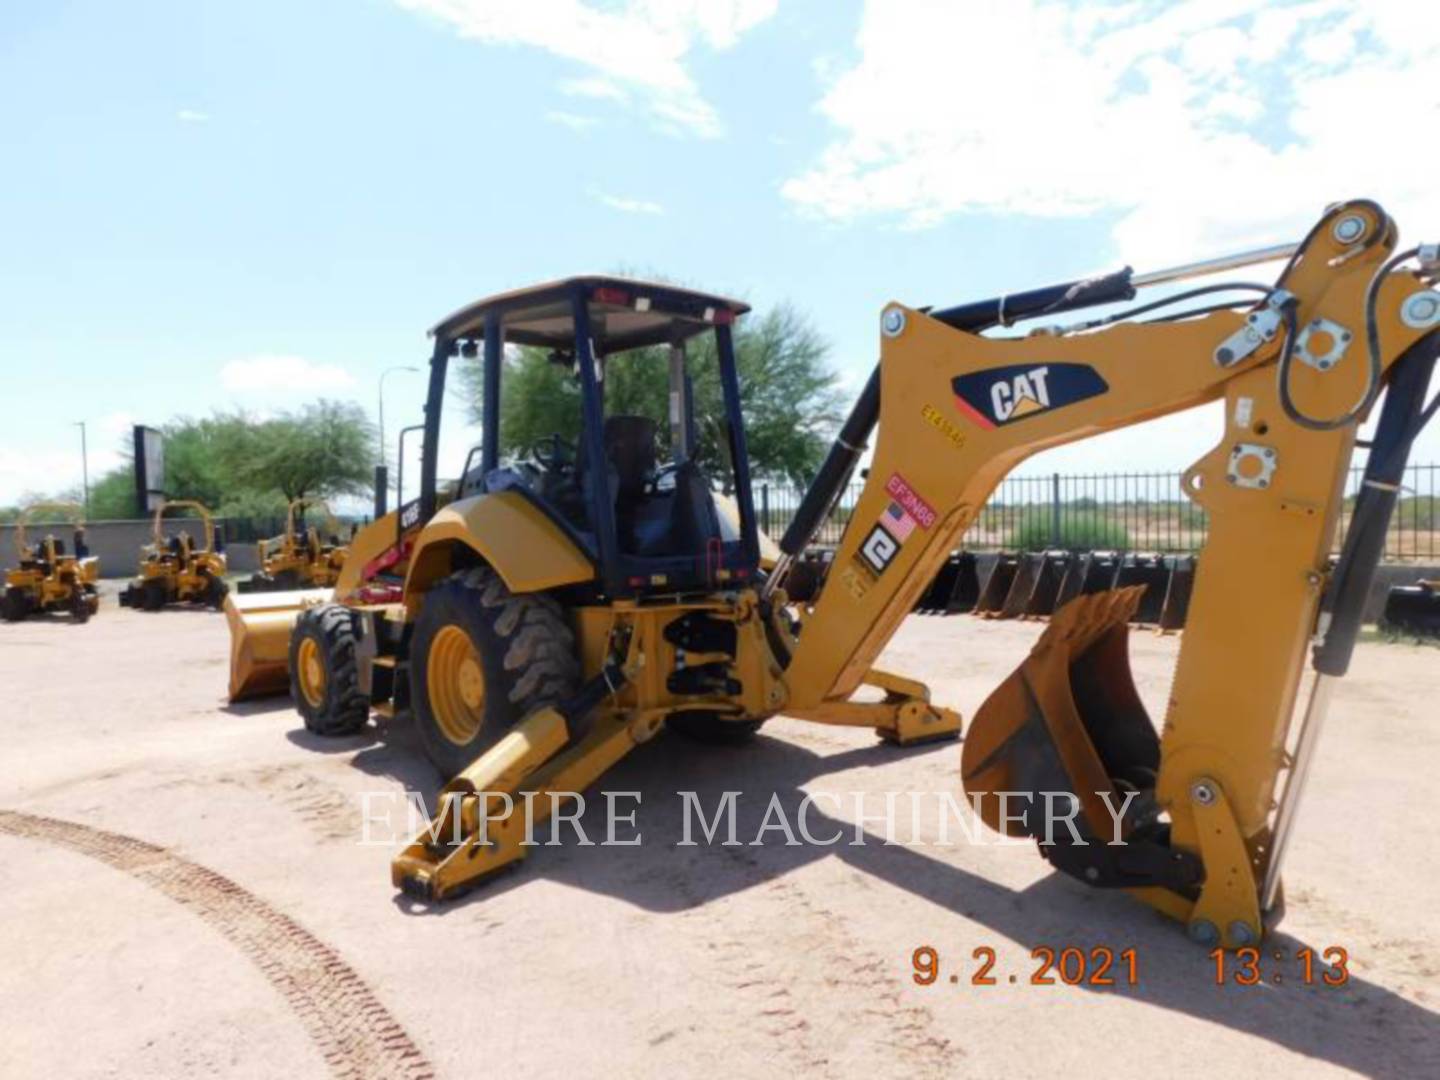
(825, 961)
(348, 1024)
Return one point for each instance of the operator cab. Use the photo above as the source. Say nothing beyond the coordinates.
(613, 406)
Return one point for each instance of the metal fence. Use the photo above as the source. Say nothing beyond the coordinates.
(1142, 511)
(247, 530)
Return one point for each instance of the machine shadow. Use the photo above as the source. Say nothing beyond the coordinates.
(389, 749)
(263, 707)
(1361, 1026)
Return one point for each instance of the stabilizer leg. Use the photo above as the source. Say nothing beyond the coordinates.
(906, 717)
(485, 818)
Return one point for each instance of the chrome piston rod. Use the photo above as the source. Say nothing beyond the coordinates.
(1308, 739)
(1185, 271)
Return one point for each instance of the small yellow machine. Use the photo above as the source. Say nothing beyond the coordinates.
(47, 577)
(174, 571)
(578, 595)
(300, 558)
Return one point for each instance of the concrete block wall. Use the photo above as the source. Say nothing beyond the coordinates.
(118, 543)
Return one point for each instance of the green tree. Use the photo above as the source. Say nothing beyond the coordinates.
(243, 467)
(1085, 530)
(787, 392)
(328, 448)
(112, 496)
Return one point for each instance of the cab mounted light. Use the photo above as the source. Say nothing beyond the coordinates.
(605, 294)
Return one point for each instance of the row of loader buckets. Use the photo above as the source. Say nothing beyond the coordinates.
(1413, 609)
(1036, 585)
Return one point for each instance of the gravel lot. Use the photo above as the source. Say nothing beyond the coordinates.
(185, 891)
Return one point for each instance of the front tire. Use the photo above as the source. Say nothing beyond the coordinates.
(483, 658)
(215, 592)
(154, 594)
(324, 674)
(286, 581)
(15, 605)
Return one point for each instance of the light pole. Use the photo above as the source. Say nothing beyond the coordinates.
(84, 466)
(387, 371)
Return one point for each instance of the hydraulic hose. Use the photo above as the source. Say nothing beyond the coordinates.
(1400, 421)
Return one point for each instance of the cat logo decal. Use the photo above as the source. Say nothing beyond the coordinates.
(998, 396)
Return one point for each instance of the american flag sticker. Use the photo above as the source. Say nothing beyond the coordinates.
(900, 524)
(920, 511)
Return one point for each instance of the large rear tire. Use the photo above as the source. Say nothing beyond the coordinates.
(216, 590)
(286, 581)
(324, 674)
(482, 658)
(14, 605)
(154, 594)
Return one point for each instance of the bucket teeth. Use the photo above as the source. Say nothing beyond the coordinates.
(1068, 720)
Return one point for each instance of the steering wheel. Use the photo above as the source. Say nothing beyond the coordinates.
(554, 453)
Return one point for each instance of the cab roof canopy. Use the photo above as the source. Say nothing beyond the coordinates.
(624, 314)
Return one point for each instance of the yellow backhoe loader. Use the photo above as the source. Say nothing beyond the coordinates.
(302, 557)
(173, 570)
(575, 596)
(48, 578)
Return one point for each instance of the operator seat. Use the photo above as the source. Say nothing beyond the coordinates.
(630, 448)
(630, 463)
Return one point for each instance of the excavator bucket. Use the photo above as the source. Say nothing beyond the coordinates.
(1067, 721)
(260, 627)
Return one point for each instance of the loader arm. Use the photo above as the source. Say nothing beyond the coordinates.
(958, 411)
(207, 523)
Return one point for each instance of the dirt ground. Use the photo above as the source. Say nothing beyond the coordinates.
(185, 891)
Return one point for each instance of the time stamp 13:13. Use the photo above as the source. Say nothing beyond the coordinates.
(1100, 965)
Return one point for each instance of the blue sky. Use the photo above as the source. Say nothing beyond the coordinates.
(212, 205)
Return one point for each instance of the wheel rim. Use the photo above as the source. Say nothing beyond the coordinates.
(310, 668)
(455, 685)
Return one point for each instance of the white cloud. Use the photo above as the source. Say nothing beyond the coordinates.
(573, 121)
(638, 47)
(629, 205)
(1201, 125)
(593, 88)
(55, 465)
(274, 374)
(192, 116)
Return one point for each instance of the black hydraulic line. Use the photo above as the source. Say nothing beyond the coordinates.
(1399, 423)
(855, 433)
(1375, 364)
(1195, 313)
(1189, 294)
(1049, 300)
(610, 680)
(839, 463)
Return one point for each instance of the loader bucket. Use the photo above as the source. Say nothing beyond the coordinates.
(260, 626)
(1413, 609)
(1068, 720)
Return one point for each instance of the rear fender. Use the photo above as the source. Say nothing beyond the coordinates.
(507, 532)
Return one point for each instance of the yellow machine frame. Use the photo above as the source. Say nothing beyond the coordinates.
(69, 584)
(285, 563)
(194, 576)
(1272, 488)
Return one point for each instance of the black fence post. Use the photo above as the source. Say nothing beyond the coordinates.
(765, 507)
(1054, 510)
(382, 490)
